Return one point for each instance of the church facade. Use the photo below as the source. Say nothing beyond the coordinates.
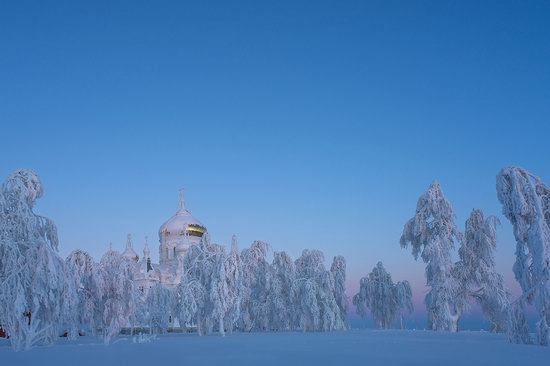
(176, 236)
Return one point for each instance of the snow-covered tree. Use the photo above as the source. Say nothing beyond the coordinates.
(233, 278)
(338, 271)
(35, 293)
(330, 311)
(190, 300)
(517, 327)
(255, 287)
(382, 297)
(475, 272)
(280, 292)
(87, 281)
(315, 305)
(206, 294)
(219, 291)
(118, 294)
(431, 233)
(159, 305)
(404, 299)
(526, 203)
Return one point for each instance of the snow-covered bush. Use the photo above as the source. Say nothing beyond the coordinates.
(431, 233)
(382, 297)
(36, 296)
(526, 203)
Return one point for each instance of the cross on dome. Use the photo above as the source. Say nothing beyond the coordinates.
(182, 199)
(129, 241)
(146, 252)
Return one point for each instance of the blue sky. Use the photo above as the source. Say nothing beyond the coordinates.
(304, 124)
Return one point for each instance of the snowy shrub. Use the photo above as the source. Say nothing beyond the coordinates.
(144, 338)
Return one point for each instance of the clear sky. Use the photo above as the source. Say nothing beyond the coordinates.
(305, 124)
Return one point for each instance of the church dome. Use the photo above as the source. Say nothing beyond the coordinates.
(181, 223)
(129, 252)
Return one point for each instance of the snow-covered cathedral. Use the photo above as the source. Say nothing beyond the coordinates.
(176, 236)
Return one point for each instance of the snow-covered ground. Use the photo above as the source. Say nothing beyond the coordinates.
(368, 347)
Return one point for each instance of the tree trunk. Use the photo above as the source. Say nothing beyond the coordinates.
(222, 330)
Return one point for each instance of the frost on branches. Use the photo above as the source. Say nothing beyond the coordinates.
(475, 272)
(35, 294)
(254, 295)
(315, 304)
(282, 276)
(88, 284)
(159, 305)
(118, 299)
(338, 271)
(382, 297)
(526, 203)
(431, 233)
(207, 294)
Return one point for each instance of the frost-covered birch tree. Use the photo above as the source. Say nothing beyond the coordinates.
(205, 295)
(280, 292)
(190, 297)
(86, 276)
(233, 272)
(118, 294)
(404, 299)
(475, 274)
(219, 294)
(431, 233)
(338, 271)
(526, 203)
(35, 293)
(255, 287)
(315, 305)
(159, 305)
(382, 297)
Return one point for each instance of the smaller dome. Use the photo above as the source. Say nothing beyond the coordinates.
(146, 251)
(129, 252)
